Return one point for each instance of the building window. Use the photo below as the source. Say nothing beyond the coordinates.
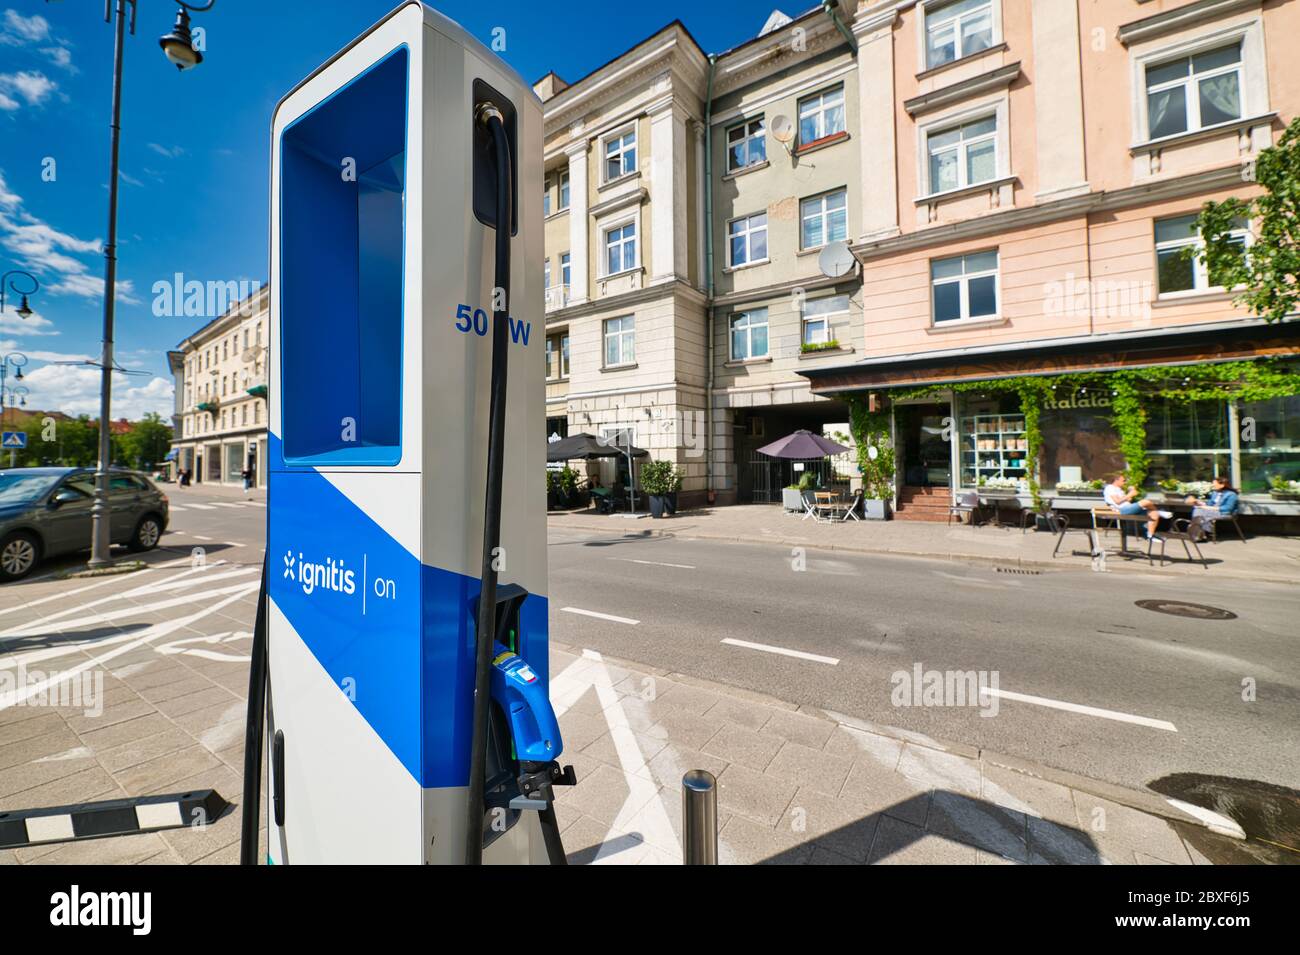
(565, 271)
(823, 219)
(821, 116)
(965, 286)
(954, 30)
(257, 412)
(564, 190)
(557, 357)
(746, 144)
(1192, 92)
(963, 155)
(1178, 270)
(620, 248)
(1187, 440)
(817, 315)
(749, 335)
(747, 239)
(620, 341)
(546, 197)
(546, 273)
(1272, 449)
(620, 155)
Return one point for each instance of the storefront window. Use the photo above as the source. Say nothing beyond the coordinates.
(1187, 441)
(1270, 442)
(1079, 443)
(993, 445)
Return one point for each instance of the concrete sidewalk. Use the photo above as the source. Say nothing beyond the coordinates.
(1267, 558)
(798, 786)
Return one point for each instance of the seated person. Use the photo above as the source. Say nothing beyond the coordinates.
(1121, 502)
(1222, 501)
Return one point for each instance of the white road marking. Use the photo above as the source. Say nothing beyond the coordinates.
(62, 596)
(200, 537)
(656, 563)
(201, 507)
(798, 654)
(1080, 708)
(600, 616)
(1223, 825)
(14, 697)
(176, 507)
(231, 544)
(224, 504)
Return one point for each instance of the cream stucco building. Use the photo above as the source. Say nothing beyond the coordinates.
(220, 418)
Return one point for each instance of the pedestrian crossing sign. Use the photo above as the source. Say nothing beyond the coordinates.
(14, 440)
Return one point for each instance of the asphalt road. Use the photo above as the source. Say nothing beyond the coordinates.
(1172, 687)
(1074, 637)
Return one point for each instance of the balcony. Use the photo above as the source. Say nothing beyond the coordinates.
(557, 297)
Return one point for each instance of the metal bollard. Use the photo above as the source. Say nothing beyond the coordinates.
(699, 818)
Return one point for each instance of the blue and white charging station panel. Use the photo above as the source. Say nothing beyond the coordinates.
(381, 281)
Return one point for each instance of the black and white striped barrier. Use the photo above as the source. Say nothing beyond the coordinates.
(114, 817)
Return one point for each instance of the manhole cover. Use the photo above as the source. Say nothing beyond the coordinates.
(1179, 608)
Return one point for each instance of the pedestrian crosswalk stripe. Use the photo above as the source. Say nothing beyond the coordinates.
(224, 504)
(202, 507)
(176, 507)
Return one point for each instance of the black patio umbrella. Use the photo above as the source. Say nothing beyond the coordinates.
(801, 446)
(587, 446)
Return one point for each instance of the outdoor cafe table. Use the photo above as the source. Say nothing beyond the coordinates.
(1122, 521)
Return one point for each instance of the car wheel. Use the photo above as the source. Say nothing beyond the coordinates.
(146, 534)
(18, 555)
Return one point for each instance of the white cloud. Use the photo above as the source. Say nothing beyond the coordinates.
(19, 30)
(34, 324)
(171, 152)
(74, 390)
(10, 345)
(52, 254)
(61, 57)
(30, 85)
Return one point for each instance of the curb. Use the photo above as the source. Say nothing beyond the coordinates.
(988, 560)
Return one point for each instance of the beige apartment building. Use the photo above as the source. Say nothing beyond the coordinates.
(220, 417)
(1015, 181)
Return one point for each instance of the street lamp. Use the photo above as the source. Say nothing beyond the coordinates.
(178, 45)
(24, 310)
(7, 393)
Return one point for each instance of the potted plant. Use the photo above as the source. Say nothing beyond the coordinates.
(658, 480)
(675, 485)
(1282, 489)
(792, 497)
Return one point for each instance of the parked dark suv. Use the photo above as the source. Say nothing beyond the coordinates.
(45, 512)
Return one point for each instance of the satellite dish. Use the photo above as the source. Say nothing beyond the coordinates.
(836, 259)
(782, 129)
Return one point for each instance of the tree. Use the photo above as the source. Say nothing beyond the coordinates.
(145, 444)
(1269, 275)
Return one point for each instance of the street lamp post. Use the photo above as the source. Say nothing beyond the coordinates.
(24, 310)
(179, 48)
(15, 395)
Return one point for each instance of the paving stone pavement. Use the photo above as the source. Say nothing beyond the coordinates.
(162, 657)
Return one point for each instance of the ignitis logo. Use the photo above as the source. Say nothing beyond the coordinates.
(330, 574)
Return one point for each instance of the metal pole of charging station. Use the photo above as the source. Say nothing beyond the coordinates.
(699, 818)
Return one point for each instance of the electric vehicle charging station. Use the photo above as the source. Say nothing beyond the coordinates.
(386, 200)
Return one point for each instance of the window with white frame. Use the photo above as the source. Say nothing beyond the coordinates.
(620, 154)
(565, 271)
(546, 273)
(564, 190)
(746, 144)
(747, 239)
(1194, 91)
(958, 29)
(546, 197)
(963, 155)
(817, 314)
(1180, 270)
(965, 286)
(749, 335)
(620, 248)
(823, 219)
(620, 341)
(821, 115)
(557, 356)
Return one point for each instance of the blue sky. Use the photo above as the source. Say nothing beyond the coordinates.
(195, 152)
